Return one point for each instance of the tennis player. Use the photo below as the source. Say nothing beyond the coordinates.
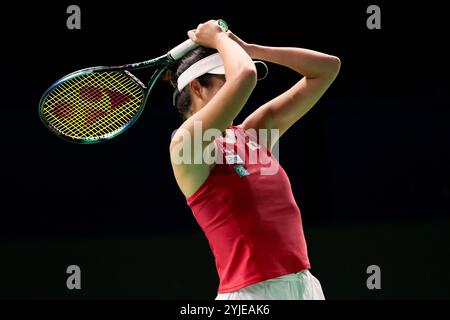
(250, 217)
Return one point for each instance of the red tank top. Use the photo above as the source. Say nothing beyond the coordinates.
(251, 220)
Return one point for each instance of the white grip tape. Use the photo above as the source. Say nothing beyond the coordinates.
(180, 50)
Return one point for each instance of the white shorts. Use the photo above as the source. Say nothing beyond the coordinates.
(295, 286)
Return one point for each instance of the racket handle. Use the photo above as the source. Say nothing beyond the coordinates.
(180, 50)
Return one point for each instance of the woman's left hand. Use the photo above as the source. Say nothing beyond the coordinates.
(206, 34)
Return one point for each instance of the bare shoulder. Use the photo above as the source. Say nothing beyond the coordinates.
(190, 171)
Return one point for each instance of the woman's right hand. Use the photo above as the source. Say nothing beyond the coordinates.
(207, 34)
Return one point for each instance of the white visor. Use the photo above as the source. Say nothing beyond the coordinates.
(211, 64)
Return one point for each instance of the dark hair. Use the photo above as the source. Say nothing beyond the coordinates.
(182, 99)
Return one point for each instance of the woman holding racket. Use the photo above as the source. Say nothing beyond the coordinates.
(251, 219)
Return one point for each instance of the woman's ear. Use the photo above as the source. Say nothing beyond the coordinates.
(196, 88)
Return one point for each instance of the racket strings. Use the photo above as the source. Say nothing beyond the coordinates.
(94, 105)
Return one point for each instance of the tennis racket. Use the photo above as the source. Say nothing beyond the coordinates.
(97, 104)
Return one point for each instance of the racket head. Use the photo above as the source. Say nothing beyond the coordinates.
(92, 105)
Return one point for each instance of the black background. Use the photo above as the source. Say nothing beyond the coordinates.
(369, 164)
